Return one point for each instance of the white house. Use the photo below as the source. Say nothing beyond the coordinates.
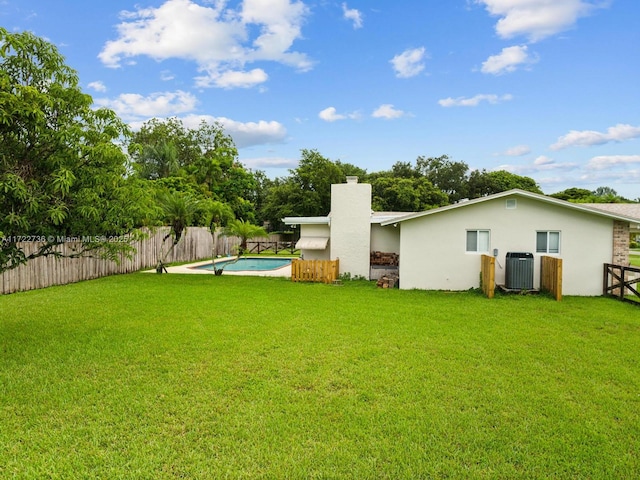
(350, 232)
(440, 249)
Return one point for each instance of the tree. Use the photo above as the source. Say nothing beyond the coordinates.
(306, 192)
(449, 176)
(219, 215)
(599, 195)
(62, 170)
(158, 161)
(577, 195)
(395, 194)
(404, 170)
(205, 156)
(244, 230)
(483, 183)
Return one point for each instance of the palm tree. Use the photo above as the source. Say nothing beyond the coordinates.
(245, 231)
(218, 214)
(158, 161)
(178, 210)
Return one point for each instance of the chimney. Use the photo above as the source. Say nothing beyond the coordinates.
(352, 179)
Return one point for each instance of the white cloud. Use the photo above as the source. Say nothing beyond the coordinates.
(608, 161)
(629, 177)
(161, 104)
(166, 76)
(352, 14)
(233, 79)
(388, 112)
(538, 19)
(474, 101)
(518, 151)
(220, 41)
(244, 134)
(409, 63)
(617, 133)
(269, 162)
(97, 86)
(507, 60)
(544, 161)
(330, 114)
(540, 164)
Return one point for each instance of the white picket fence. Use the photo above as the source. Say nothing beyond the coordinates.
(43, 272)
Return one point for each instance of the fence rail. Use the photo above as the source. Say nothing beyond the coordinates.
(621, 282)
(43, 272)
(321, 271)
(488, 275)
(551, 276)
(276, 246)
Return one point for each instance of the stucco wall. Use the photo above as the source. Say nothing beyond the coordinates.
(315, 231)
(433, 256)
(385, 239)
(351, 227)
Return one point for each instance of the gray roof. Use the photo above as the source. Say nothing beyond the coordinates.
(627, 209)
(523, 193)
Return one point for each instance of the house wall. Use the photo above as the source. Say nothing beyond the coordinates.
(315, 231)
(351, 227)
(385, 239)
(433, 256)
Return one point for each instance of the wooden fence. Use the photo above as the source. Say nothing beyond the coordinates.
(488, 275)
(324, 271)
(43, 272)
(551, 276)
(621, 282)
(275, 246)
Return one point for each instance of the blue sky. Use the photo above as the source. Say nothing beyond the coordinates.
(543, 88)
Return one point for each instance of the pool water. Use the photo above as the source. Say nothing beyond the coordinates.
(248, 264)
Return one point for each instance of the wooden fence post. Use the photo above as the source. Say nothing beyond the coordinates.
(488, 275)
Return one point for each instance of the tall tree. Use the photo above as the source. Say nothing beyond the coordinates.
(62, 170)
(158, 160)
(483, 183)
(577, 195)
(397, 194)
(449, 176)
(306, 192)
(205, 156)
(599, 195)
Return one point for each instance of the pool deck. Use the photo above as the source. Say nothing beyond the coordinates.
(191, 269)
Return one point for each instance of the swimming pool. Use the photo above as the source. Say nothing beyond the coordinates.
(250, 264)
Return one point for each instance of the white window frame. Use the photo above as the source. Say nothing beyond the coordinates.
(481, 234)
(552, 241)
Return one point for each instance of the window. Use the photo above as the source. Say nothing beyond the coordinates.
(511, 203)
(477, 240)
(548, 242)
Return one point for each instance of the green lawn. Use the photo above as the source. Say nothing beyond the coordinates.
(170, 376)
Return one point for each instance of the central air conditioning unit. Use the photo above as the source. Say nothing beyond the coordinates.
(519, 271)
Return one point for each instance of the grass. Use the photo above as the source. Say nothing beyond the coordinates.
(170, 376)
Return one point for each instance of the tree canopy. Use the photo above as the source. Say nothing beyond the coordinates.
(205, 158)
(62, 170)
(582, 195)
